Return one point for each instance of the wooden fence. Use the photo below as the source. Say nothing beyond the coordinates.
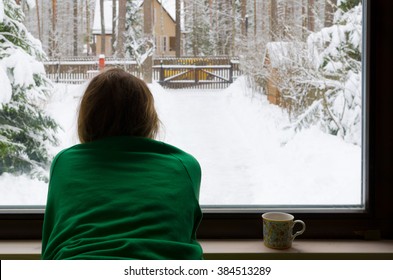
(194, 76)
(84, 65)
(185, 72)
(71, 78)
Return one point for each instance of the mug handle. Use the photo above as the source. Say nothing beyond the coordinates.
(300, 231)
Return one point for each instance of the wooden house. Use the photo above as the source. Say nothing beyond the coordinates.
(164, 27)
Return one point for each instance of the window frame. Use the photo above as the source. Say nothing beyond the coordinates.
(374, 222)
(164, 43)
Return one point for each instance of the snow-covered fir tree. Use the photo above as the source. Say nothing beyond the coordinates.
(25, 130)
(337, 50)
(320, 81)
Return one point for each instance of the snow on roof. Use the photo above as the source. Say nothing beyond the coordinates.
(168, 5)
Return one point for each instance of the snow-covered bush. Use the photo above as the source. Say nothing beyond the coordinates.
(25, 130)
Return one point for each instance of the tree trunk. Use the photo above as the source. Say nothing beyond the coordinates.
(304, 20)
(102, 50)
(148, 32)
(255, 19)
(211, 11)
(263, 17)
(114, 15)
(311, 16)
(273, 20)
(195, 41)
(38, 19)
(121, 28)
(244, 17)
(233, 27)
(88, 27)
(330, 8)
(53, 39)
(178, 29)
(75, 36)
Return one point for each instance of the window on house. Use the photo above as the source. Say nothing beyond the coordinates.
(290, 133)
(172, 43)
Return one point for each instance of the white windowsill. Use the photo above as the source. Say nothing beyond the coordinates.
(246, 249)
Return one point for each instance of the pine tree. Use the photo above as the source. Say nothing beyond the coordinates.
(25, 130)
(121, 28)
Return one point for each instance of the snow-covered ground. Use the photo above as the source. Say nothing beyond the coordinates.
(245, 155)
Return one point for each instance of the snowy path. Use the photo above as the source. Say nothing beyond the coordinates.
(211, 133)
(239, 143)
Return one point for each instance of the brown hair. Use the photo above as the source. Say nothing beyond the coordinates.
(116, 103)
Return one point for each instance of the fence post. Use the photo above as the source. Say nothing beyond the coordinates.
(196, 73)
(162, 73)
(58, 70)
(231, 72)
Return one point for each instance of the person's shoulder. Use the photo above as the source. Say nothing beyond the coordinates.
(175, 151)
(190, 164)
(64, 154)
(66, 151)
(188, 160)
(58, 159)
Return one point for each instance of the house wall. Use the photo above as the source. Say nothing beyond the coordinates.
(273, 94)
(164, 32)
(164, 27)
(108, 44)
(272, 91)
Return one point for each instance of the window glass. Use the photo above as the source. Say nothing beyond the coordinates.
(270, 104)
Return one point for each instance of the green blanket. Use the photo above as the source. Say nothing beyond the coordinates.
(122, 198)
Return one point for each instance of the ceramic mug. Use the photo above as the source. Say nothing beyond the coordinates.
(278, 229)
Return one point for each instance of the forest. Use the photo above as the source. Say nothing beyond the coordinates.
(207, 27)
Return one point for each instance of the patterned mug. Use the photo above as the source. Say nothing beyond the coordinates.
(278, 230)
